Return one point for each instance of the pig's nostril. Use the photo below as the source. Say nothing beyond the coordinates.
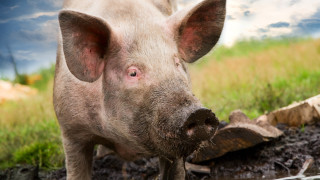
(191, 126)
(190, 129)
(208, 122)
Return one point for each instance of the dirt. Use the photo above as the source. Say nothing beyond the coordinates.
(282, 157)
(279, 158)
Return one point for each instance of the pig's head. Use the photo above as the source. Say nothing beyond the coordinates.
(141, 63)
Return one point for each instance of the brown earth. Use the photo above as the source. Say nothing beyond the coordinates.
(281, 157)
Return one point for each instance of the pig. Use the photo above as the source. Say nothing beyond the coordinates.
(121, 80)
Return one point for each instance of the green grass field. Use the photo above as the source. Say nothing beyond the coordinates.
(254, 76)
(29, 132)
(275, 74)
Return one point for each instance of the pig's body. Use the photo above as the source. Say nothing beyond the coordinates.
(121, 81)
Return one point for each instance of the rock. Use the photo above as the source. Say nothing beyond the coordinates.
(297, 114)
(240, 133)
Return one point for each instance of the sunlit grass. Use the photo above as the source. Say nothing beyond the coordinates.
(46, 76)
(285, 73)
(246, 48)
(29, 132)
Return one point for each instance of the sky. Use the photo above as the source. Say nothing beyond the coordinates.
(29, 27)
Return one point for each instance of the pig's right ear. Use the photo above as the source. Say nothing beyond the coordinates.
(197, 29)
(86, 40)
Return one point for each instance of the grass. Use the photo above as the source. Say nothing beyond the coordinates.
(256, 77)
(29, 132)
(260, 81)
(46, 76)
(247, 48)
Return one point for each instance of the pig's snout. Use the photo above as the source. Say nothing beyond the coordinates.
(200, 125)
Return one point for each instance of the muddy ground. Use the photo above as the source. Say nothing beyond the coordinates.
(279, 158)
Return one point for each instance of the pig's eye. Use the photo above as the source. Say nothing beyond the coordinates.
(133, 73)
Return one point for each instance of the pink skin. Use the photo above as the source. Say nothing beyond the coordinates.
(179, 67)
(191, 40)
(94, 67)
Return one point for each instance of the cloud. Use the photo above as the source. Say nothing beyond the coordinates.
(263, 30)
(14, 7)
(246, 13)
(30, 16)
(45, 32)
(56, 3)
(310, 25)
(269, 18)
(294, 2)
(229, 17)
(23, 65)
(279, 25)
(40, 4)
(25, 55)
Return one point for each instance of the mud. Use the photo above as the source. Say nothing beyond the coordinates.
(282, 157)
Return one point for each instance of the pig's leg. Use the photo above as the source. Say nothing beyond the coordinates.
(172, 170)
(78, 159)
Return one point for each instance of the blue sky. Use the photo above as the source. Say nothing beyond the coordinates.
(30, 27)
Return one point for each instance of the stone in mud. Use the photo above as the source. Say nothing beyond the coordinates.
(304, 112)
(241, 133)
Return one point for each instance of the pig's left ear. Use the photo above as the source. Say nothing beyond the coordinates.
(197, 29)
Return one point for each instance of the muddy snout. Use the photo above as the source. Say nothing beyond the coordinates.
(200, 125)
